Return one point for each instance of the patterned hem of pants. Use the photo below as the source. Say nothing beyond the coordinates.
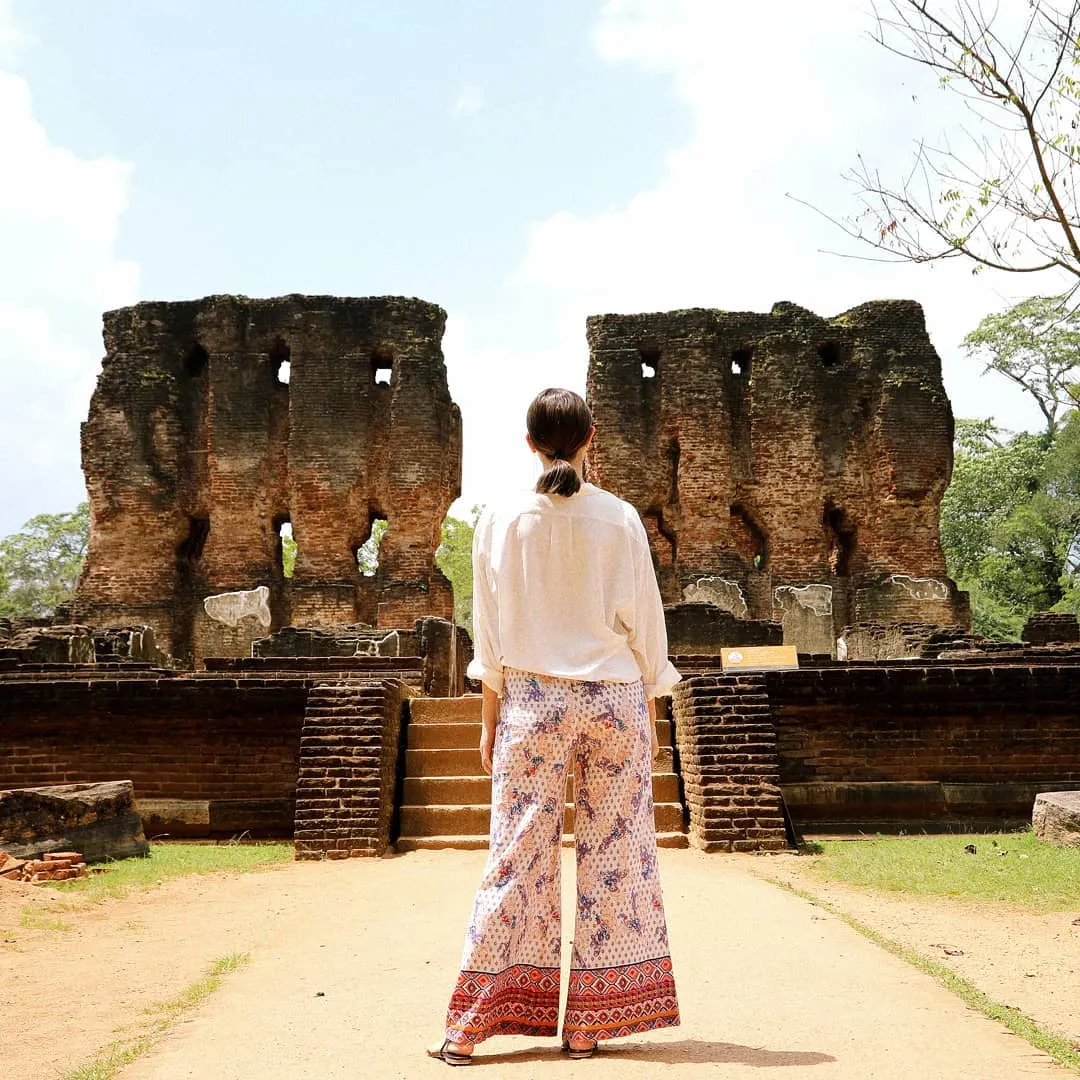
(621, 978)
(602, 1004)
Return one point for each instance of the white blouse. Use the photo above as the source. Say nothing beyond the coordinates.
(565, 586)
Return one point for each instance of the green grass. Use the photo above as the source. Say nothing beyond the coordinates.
(107, 1063)
(1014, 868)
(29, 919)
(173, 860)
(1063, 1051)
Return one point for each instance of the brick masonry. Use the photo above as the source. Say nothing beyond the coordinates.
(856, 746)
(925, 745)
(787, 467)
(728, 762)
(877, 746)
(349, 765)
(231, 744)
(196, 452)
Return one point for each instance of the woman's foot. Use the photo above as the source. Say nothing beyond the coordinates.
(579, 1046)
(453, 1053)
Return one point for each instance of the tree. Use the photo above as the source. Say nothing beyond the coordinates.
(1063, 487)
(454, 559)
(40, 566)
(367, 555)
(1036, 345)
(1007, 198)
(1010, 523)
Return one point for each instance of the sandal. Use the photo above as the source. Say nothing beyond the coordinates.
(451, 1057)
(579, 1053)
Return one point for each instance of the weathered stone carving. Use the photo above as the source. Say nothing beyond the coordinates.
(798, 460)
(199, 448)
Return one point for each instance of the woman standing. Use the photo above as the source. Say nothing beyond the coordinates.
(571, 648)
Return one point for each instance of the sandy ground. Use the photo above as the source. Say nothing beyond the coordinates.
(351, 965)
(1031, 962)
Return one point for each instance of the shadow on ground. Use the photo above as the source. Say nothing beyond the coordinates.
(683, 1052)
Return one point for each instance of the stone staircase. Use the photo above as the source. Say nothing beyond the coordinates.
(348, 760)
(447, 796)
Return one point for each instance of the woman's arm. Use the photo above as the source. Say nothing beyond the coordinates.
(489, 716)
(652, 727)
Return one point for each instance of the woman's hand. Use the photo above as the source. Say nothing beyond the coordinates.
(489, 715)
(487, 747)
(652, 728)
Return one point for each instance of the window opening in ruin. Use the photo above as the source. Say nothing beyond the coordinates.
(753, 543)
(650, 363)
(841, 535)
(191, 547)
(830, 354)
(196, 362)
(382, 367)
(740, 362)
(367, 553)
(280, 357)
(286, 548)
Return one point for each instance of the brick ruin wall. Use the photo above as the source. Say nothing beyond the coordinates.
(945, 743)
(196, 452)
(213, 755)
(787, 467)
(856, 746)
(875, 746)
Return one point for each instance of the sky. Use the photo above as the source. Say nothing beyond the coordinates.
(524, 165)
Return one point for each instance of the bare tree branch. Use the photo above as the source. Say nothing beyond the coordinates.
(1006, 197)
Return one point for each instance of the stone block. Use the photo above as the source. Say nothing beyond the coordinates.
(1056, 817)
(701, 628)
(98, 820)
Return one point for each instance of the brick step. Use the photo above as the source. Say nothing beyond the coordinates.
(478, 842)
(475, 790)
(321, 735)
(467, 762)
(340, 701)
(714, 771)
(353, 708)
(458, 710)
(333, 739)
(472, 820)
(460, 736)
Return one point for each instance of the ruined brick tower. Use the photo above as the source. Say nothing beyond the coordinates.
(786, 466)
(199, 447)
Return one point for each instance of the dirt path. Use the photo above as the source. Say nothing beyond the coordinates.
(351, 965)
(1028, 961)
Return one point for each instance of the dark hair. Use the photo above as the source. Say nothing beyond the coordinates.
(559, 423)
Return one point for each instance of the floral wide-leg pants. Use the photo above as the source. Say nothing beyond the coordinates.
(620, 972)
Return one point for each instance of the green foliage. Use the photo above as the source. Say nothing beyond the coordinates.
(367, 554)
(1036, 345)
(288, 554)
(40, 566)
(454, 559)
(1010, 522)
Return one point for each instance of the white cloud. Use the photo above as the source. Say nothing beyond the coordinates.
(778, 105)
(59, 216)
(470, 100)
